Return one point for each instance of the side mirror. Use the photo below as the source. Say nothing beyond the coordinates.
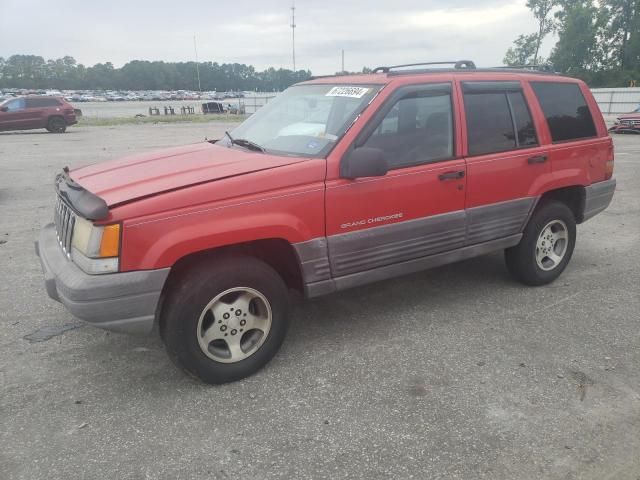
(4, 109)
(364, 162)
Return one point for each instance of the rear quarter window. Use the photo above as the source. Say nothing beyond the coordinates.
(42, 102)
(565, 110)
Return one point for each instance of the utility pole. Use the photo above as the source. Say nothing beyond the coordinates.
(293, 33)
(195, 49)
(342, 71)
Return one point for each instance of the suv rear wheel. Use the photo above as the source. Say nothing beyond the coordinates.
(56, 125)
(546, 246)
(225, 319)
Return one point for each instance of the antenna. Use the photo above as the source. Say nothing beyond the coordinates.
(342, 71)
(293, 33)
(195, 49)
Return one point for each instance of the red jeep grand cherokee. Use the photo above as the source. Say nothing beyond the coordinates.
(339, 182)
(28, 113)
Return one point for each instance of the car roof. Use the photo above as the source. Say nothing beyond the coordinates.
(387, 75)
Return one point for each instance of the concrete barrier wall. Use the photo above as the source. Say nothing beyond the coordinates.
(617, 100)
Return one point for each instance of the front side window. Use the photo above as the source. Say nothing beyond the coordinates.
(305, 120)
(565, 109)
(417, 129)
(14, 105)
(498, 119)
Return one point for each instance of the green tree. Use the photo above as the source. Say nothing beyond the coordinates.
(526, 48)
(523, 51)
(541, 10)
(623, 31)
(31, 71)
(578, 49)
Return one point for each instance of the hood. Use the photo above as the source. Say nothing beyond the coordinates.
(123, 180)
(629, 116)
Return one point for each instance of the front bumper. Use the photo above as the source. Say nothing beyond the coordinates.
(598, 197)
(122, 302)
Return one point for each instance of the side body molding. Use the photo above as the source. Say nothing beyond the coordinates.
(378, 253)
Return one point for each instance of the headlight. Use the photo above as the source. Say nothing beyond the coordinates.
(95, 248)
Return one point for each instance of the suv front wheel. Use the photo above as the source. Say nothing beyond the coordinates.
(546, 246)
(225, 319)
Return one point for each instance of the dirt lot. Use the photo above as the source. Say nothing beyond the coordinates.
(453, 373)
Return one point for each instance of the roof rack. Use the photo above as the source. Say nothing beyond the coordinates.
(536, 68)
(458, 65)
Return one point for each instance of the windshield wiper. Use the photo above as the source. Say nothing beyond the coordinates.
(245, 143)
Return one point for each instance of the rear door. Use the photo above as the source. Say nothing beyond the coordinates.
(417, 208)
(39, 109)
(505, 161)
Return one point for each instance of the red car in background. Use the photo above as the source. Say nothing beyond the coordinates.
(627, 123)
(32, 112)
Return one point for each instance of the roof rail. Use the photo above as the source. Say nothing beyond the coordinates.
(538, 68)
(458, 65)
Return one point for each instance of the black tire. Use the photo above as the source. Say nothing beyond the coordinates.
(192, 291)
(521, 259)
(56, 124)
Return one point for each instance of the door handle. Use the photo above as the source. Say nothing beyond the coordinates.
(452, 175)
(537, 159)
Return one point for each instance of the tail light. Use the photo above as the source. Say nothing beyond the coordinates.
(608, 166)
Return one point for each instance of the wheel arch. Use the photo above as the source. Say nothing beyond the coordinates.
(275, 252)
(573, 196)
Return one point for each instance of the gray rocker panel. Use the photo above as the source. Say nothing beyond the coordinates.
(398, 242)
(367, 255)
(498, 219)
(411, 266)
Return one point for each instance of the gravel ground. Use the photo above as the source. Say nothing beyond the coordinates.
(453, 373)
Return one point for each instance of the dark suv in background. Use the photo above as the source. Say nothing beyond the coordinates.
(28, 113)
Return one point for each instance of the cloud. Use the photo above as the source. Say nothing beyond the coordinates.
(372, 32)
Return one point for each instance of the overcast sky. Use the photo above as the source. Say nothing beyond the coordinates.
(257, 32)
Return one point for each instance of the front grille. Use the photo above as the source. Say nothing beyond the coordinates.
(65, 219)
(630, 122)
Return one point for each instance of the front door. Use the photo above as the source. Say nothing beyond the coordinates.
(417, 208)
(16, 116)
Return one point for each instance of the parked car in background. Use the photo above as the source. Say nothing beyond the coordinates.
(32, 112)
(338, 182)
(627, 122)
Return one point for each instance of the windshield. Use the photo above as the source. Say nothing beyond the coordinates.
(305, 120)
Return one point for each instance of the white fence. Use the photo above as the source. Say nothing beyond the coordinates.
(617, 100)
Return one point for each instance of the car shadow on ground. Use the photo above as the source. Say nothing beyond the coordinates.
(371, 310)
(32, 132)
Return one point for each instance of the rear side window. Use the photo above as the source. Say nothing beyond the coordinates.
(40, 102)
(566, 110)
(498, 118)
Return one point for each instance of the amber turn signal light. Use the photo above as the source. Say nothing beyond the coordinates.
(110, 244)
